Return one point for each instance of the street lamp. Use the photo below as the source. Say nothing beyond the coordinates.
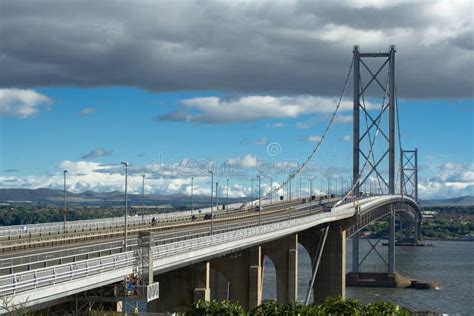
(259, 198)
(143, 199)
(328, 188)
(212, 190)
(251, 193)
(192, 193)
(271, 190)
(300, 188)
(289, 187)
(217, 197)
(64, 209)
(126, 207)
(227, 194)
(310, 193)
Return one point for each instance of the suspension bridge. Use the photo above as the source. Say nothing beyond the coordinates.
(175, 260)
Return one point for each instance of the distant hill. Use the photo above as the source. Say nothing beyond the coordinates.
(458, 201)
(51, 196)
(89, 198)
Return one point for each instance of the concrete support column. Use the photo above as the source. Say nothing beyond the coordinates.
(331, 277)
(355, 253)
(243, 272)
(255, 278)
(202, 281)
(391, 241)
(284, 255)
(418, 229)
(181, 287)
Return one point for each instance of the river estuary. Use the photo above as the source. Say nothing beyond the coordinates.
(448, 263)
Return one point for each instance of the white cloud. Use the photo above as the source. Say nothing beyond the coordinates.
(451, 180)
(247, 161)
(215, 110)
(347, 138)
(313, 139)
(93, 176)
(97, 153)
(21, 103)
(86, 111)
(344, 119)
(259, 141)
(275, 125)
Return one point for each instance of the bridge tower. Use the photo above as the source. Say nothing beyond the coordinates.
(409, 180)
(374, 164)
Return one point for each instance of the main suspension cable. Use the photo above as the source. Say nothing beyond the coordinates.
(315, 150)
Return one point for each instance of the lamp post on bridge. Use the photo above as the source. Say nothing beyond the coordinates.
(65, 209)
(192, 196)
(328, 188)
(271, 190)
(143, 199)
(300, 188)
(227, 193)
(259, 199)
(217, 197)
(126, 207)
(251, 193)
(212, 192)
(310, 193)
(289, 187)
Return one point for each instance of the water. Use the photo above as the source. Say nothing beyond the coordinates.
(448, 263)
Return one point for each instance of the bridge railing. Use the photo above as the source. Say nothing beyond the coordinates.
(9, 265)
(33, 280)
(57, 228)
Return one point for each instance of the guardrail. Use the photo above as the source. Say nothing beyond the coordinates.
(33, 280)
(9, 265)
(16, 231)
(57, 229)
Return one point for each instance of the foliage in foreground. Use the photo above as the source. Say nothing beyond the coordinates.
(332, 306)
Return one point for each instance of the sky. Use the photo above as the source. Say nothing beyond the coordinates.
(241, 88)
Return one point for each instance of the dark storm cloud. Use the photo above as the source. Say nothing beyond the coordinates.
(248, 48)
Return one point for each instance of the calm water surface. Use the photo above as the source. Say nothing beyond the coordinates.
(449, 263)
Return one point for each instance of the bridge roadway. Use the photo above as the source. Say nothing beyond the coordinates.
(90, 244)
(176, 249)
(78, 231)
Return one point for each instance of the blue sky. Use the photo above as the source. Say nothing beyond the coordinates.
(247, 93)
(104, 126)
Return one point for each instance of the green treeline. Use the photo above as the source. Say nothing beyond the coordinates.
(332, 306)
(21, 215)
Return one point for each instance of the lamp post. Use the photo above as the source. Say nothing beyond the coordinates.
(126, 207)
(259, 199)
(217, 197)
(271, 190)
(310, 193)
(300, 189)
(251, 193)
(289, 187)
(212, 190)
(227, 193)
(328, 188)
(64, 209)
(143, 199)
(192, 196)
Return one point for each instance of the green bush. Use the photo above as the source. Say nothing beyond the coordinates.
(215, 308)
(385, 309)
(339, 306)
(331, 307)
(267, 308)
